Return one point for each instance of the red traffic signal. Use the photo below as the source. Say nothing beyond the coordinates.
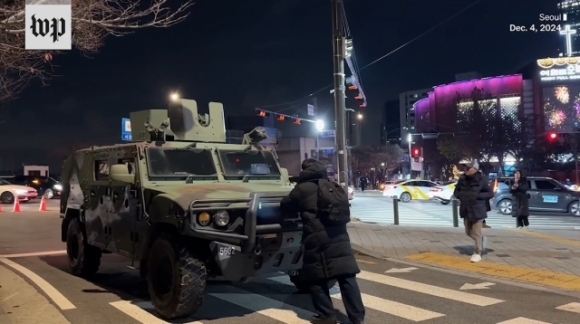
(415, 151)
(262, 113)
(553, 136)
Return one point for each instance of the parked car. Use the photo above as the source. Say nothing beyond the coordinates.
(8, 191)
(46, 186)
(546, 195)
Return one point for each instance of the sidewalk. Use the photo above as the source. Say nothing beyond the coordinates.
(540, 258)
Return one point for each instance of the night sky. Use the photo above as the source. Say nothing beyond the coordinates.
(255, 53)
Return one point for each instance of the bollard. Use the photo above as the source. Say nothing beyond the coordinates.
(396, 210)
(454, 205)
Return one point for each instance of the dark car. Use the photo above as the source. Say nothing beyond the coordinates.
(546, 195)
(44, 185)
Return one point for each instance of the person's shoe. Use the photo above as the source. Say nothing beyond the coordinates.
(520, 227)
(527, 227)
(486, 226)
(316, 319)
(475, 257)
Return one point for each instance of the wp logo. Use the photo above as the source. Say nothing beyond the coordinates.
(48, 25)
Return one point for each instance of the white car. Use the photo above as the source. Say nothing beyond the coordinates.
(408, 190)
(442, 192)
(8, 191)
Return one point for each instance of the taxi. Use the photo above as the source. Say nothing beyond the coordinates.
(443, 192)
(407, 190)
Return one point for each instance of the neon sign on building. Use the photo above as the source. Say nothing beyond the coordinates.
(559, 69)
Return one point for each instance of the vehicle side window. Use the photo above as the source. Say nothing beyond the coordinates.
(425, 184)
(101, 170)
(546, 185)
(411, 183)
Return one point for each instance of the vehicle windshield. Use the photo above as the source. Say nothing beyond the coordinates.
(256, 164)
(4, 183)
(180, 163)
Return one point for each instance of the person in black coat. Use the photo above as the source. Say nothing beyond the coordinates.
(473, 191)
(327, 253)
(520, 206)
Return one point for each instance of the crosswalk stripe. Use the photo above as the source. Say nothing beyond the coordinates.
(392, 307)
(138, 311)
(572, 307)
(522, 320)
(429, 289)
(265, 306)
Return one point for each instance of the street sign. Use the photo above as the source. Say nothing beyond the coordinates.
(327, 133)
(126, 134)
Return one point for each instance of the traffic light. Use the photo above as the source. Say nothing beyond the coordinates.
(552, 136)
(415, 151)
(262, 113)
(354, 85)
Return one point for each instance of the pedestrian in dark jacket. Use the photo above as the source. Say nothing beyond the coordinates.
(520, 207)
(473, 191)
(327, 253)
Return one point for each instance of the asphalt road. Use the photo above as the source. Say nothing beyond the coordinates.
(371, 206)
(116, 295)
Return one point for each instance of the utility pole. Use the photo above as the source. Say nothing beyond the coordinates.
(338, 49)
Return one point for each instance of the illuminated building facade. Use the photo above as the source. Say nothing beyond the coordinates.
(571, 10)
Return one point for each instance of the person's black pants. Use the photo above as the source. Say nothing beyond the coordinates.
(351, 298)
(522, 221)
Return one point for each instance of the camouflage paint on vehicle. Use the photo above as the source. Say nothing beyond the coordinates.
(125, 216)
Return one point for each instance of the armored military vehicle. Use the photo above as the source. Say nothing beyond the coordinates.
(182, 205)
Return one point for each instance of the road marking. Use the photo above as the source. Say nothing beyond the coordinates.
(59, 299)
(365, 261)
(572, 307)
(32, 254)
(429, 289)
(483, 285)
(401, 310)
(140, 312)
(536, 276)
(522, 320)
(272, 308)
(553, 238)
(401, 270)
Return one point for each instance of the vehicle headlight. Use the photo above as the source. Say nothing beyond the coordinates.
(203, 218)
(221, 218)
(57, 187)
(21, 191)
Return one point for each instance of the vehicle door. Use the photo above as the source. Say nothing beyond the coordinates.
(547, 195)
(423, 188)
(124, 204)
(411, 188)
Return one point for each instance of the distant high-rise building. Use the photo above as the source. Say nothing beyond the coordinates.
(407, 112)
(570, 16)
(391, 125)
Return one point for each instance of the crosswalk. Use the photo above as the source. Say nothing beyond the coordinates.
(426, 213)
(275, 305)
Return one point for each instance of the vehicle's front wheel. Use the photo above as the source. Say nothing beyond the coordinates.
(302, 284)
(83, 259)
(176, 279)
(7, 198)
(505, 207)
(574, 208)
(405, 197)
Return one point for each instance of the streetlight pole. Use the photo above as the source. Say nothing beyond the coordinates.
(339, 49)
(319, 128)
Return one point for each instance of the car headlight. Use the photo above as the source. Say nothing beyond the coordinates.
(57, 187)
(203, 218)
(21, 191)
(221, 218)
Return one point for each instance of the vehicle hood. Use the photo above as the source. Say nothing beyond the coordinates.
(184, 194)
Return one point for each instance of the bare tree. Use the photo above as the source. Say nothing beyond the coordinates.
(93, 21)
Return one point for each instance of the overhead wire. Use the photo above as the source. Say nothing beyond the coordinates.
(293, 102)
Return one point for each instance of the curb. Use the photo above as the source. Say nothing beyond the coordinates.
(364, 251)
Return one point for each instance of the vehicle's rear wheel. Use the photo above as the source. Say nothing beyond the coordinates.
(7, 198)
(302, 284)
(176, 279)
(405, 197)
(83, 259)
(574, 208)
(505, 206)
(445, 202)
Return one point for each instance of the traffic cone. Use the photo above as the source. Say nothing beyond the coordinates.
(43, 204)
(16, 208)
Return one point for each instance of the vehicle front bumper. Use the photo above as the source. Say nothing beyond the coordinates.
(28, 196)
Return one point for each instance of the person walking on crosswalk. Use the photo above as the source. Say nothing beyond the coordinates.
(473, 191)
(327, 253)
(519, 190)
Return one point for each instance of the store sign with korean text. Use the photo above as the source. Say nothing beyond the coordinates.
(559, 69)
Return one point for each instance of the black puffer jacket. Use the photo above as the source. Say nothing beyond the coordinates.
(474, 194)
(327, 250)
(520, 205)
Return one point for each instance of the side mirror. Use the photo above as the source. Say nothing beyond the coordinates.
(120, 172)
